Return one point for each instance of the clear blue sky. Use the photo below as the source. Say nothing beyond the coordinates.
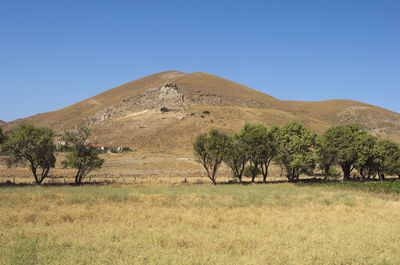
(56, 53)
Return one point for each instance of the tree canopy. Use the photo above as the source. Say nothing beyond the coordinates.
(340, 144)
(210, 149)
(236, 157)
(295, 150)
(270, 150)
(387, 158)
(366, 163)
(254, 138)
(33, 145)
(82, 155)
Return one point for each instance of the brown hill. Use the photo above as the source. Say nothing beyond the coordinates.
(130, 114)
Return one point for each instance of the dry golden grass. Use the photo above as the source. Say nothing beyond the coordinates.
(197, 224)
(132, 168)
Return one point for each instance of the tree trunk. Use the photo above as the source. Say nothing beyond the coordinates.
(212, 178)
(44, 174)
(264, 169)
(265, 175)
(346, 172)
(326, 172)
(214, 172)
(240, 178)
(362, 173)
(35, 175)
(254, 173)
(290, 175)
(78, 178)
(241, 171)
(291, 178)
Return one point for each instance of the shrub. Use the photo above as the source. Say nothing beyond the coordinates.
(333, 173)
(206, 112)
(126, 149)
(164, 109)
(250, 171)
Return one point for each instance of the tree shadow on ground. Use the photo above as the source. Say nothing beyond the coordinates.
(314, 180)
(56, 184)
(305, 181)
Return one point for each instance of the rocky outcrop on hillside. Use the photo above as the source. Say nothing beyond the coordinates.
(168, 95)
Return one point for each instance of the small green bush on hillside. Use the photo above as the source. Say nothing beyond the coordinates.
(164, 109)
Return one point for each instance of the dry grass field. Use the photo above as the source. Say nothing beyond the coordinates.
(197, 224)
(131, 168)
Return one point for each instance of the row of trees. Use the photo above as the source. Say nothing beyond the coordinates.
(298, 151)
(35, 147)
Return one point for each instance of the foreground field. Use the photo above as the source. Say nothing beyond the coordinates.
(198, 224)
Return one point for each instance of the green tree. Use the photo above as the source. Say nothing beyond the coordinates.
(341, 144)
(326, 156)
(210, 150)
(33, 145)
(254, 139)
(295, 150)
(270, 149)
(366, 163)
(235, 156)
(82, 155)
(387, 158)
